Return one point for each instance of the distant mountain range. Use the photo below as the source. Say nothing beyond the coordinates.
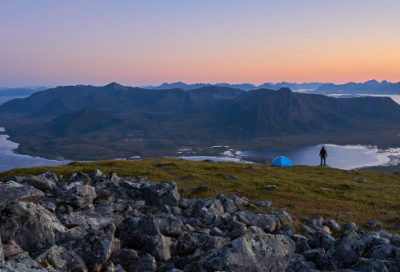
(254, 112)
(58, 118)
(369, 87)
(245, 86)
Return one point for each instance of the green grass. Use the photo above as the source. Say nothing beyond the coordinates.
(376, 199)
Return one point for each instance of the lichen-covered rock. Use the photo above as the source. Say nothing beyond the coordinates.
(60, 258)
(163, 193)
(228, 204)
(31, 226)
(81, 196)
(96, 247)
(22, 263)
(344, 252)
(42, 183)
(382, 252)
(263, 221)
(90, 220)
(12, 192)
(250, 253)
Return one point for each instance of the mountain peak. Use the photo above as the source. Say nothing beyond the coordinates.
(116, 86)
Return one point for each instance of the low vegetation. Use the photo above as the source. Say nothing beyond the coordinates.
(346, 196)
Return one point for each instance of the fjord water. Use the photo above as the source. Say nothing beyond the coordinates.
(10, 160)
(343, 157)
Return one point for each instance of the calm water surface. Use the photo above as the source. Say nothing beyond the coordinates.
(9, 160)
(344, 157)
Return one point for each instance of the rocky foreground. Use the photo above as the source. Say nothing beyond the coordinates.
(106, 223)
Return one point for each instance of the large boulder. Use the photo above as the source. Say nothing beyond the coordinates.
(60, 258)
(42, 183)
(163, 193)
(250, 253)
(31, 226)
(81, 196)
(90, 220)
(96, 247)
(344, 252)
(263, 221)
(382, 252)
(11, 192)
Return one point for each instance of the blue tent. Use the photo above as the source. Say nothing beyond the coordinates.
(282, 162)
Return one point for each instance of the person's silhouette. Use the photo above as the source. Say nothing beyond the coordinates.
(323, 154)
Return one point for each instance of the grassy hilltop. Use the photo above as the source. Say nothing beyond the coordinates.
(348, 200)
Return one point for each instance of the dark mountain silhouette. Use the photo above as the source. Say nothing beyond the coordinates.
(210, 110)
(369, 87)
(245, 86)
(267, 112)
(20, 91)
(80, 122)
(214, 92)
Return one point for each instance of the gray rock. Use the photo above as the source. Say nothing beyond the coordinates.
(344, 252)
(314, 255)
(254, 229)
(60, 258)
(237, 200)
(146, 263)
(228, 204)
(372, 265)
(373, 239)
(230, 176)
(81, 196)
(208, 210)
(31, 226)
(237, 233)
(81, 178)
(359, 179)
(17, 179)
(333, 225)
(169, 225)
(373, 225)
(382, 252)
(41, 183)
(315, 221)
(308, 229)
(125, 257)
(262, 203)
(97, 173)
(21, 263)
(323, 240)
(96, 247)
(255, 168)
(49, 206)
(298, 264)
(350, 226)
(164, 193)
(263, 221)
(252, 252)
(12, 192)
(112, 268)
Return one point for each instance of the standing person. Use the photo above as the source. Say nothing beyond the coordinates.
(323, 154)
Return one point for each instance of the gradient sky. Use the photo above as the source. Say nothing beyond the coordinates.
(54, 42)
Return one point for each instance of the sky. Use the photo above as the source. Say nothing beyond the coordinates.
(148, 42)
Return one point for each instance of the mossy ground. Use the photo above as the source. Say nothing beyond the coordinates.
(300, 186)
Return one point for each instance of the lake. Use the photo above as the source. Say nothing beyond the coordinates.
(10, 160)
(344, 157)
